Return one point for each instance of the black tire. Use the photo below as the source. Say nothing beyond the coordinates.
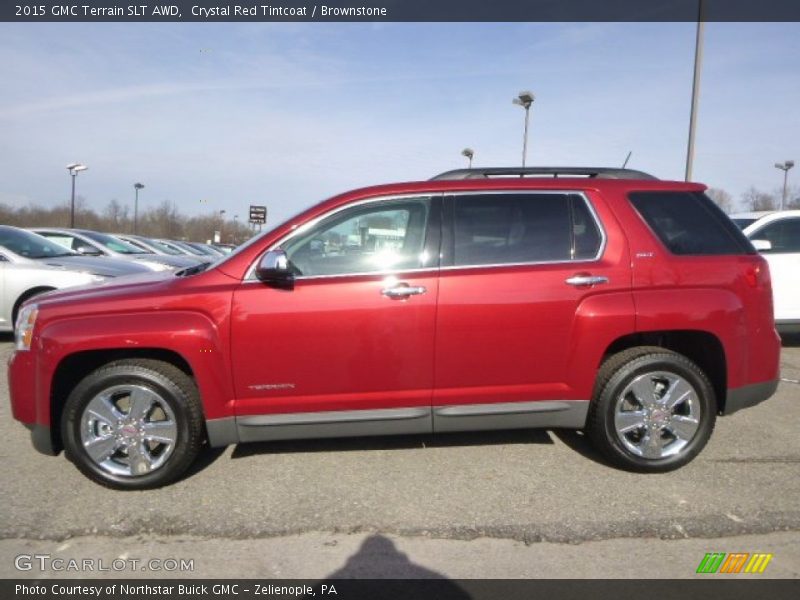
(177, 390)
(615, 375)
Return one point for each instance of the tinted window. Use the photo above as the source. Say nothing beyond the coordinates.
(689, 223)
(784, 235)
(381, 236)
(523, 228)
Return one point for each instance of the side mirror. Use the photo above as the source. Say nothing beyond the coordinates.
(273, 269)
(762, 245)
(88, 250)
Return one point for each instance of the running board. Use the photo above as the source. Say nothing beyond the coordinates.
(546, 414)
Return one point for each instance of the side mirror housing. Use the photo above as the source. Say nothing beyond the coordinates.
(273, 269)
(762, 245)
(87, 250)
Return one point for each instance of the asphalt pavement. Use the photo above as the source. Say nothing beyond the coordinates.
(496, 504)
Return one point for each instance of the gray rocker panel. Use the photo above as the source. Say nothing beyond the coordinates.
(398, 421)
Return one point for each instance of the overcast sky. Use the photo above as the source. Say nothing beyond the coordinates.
(288, 114)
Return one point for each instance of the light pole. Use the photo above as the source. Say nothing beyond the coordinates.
(235, 227)
(221, 225)
(698, 63)
(136, 186)
(74, 169)
(469, 153)
(784, 166)
(525, 99)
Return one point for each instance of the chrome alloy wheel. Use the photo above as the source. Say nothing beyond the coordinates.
(657, 415)
(128, 430)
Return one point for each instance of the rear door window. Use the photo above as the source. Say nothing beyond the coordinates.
(689, 223)
(511, 228)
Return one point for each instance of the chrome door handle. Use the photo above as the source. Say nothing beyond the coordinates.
(581, 280)
(403, 291)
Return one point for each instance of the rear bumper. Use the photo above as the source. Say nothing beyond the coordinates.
(749, 395)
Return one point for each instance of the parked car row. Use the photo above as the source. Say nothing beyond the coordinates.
(44, 259)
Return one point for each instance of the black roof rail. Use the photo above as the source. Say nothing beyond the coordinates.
(590, 172)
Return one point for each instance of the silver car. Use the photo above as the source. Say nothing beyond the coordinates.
(156, 247)
(31, 265)
(93, 243)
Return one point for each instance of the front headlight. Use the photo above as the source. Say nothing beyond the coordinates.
(26, 319)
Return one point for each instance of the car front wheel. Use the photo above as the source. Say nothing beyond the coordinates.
(133, 424)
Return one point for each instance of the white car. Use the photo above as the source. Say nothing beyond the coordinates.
(776, 234)
(32, 265)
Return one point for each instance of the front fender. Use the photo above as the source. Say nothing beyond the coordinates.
(192, 336)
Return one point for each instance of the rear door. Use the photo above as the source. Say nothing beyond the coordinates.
(519, 264)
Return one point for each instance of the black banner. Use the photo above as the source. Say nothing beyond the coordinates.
(400, 10)
(739, 588)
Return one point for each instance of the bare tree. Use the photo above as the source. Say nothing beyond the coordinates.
(755, 199)
(163, 220)
(721, 198)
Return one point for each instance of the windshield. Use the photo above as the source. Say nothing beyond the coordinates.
(114, 244)
(188, 248)
(27, 244)
(157, 245)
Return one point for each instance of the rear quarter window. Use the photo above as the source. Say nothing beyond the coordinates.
(689, 223)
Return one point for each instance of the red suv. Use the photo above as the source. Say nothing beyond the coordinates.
(596, 299)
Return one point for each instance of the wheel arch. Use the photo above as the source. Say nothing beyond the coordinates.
(703, 348)
(27, 295)
(74, 367)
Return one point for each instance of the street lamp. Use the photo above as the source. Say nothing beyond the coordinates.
(136, 186)
(525, 100)
(221, 224)
(74, 169)
(469, 153)
(785, 166)
(235, 227)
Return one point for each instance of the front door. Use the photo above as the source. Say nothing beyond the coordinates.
(349, 349)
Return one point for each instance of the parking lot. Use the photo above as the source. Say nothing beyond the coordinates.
(499, 504)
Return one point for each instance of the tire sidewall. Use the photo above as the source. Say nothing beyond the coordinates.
(103, 379)
(670, 364)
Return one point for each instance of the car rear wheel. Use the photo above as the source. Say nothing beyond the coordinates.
(133, 424)
(653, 410)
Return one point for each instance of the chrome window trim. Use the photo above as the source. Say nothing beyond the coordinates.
(250, 275)
(603, 237)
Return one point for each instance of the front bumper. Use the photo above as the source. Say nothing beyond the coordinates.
(749, 395)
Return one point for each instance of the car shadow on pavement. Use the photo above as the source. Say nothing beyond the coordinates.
(395, 442)
(384, 572)
(6, 336)
(577, 441)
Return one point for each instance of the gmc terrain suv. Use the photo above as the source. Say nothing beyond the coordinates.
(596, 299)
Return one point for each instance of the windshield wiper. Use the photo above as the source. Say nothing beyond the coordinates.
(193, 270)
